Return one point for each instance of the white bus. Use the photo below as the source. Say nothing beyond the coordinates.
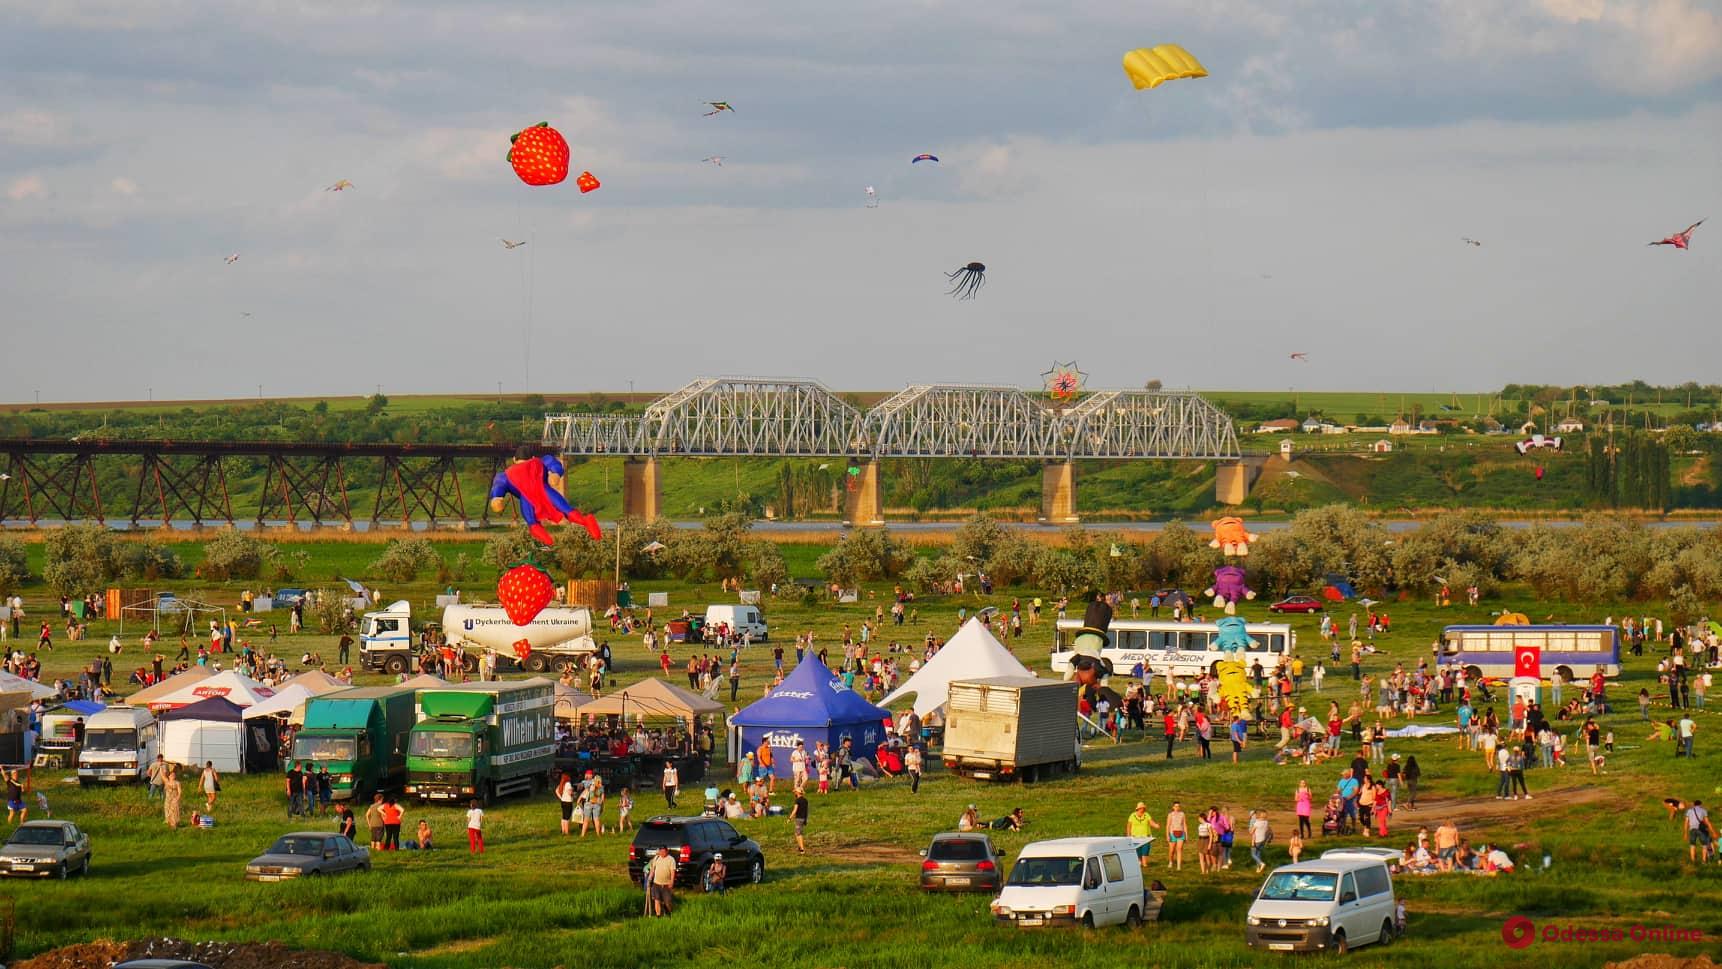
(1187, 648)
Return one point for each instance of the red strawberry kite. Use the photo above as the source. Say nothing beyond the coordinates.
(539, 155)
(524, 591)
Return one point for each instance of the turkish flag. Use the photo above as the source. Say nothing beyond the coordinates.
(1527, 661)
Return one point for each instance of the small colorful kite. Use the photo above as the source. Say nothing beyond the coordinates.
(512, 245)
(1469, 241)
(713, 160)
(1679, 240)
(923, 157)
(340, 186)
(230, 260)
(539, 155)
(1063, 382)
(1300, 355)
(718, 107)
(872, 198)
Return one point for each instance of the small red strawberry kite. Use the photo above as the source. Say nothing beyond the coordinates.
(539, 155)
(524, 591)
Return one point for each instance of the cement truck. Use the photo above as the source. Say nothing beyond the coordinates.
(558, 637)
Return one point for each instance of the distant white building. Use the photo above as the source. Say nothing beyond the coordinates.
(1283, 425)
(1311, 426)
(1571, 425)
(1383, 446)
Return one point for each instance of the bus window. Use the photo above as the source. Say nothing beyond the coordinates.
(1561, 642)
(1593, 642)
(1162, 640)
(1193, 642)
(1130, 639)
(1503, 642)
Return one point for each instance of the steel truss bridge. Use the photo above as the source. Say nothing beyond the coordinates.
(186, 481)
(753, 417)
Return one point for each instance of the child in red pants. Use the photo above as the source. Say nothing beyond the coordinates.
(474, 828)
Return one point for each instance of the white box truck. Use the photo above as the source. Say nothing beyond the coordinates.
(1011, 727)
(559, 637)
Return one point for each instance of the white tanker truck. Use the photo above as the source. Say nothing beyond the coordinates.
(559, 637)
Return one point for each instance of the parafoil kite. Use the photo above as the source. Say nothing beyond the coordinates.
(1230, 536)
(1234, 640)
(539, 155)
(587, 182)
(921, 158)
(1151, 67)
(1229, 588)
(535, 482)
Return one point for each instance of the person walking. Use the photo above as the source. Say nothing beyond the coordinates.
(1302, 801)
(1140, 825)
(912, 764)
(1516, 770)
(734, 680)
(1686, 728)
(156, 775)
(593, 812)
(672, 782)
(374, 822)
(295, 790)
(1177, 832)
(170, 795)
(660, 879)
(624, 811)
(325, 788)
(798, 813)
(1410, 775)
(1697, 831)
(565, 795)
(210, 780)
(474, 828)
(1260, 834)
(1504, 764)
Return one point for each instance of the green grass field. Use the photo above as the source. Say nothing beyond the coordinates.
(538, 900)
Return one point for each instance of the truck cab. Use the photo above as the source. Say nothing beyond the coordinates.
(120, 742)
(481, 740)
(361, 736)
(386, 639)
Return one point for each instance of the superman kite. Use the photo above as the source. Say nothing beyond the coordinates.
(535, 481)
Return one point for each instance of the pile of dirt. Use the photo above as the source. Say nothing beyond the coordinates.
(217, 955)
(1663, 962)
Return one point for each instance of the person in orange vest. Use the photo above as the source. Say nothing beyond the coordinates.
(764, 762)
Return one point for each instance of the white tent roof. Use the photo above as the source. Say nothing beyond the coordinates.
(10, 683)
(241, 691)
(316, 682)
(972, 653)
(290, 700)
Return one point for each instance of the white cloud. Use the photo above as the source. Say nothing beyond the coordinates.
(1647, 45)
(29, 128)
(29, 186)
(124, 186)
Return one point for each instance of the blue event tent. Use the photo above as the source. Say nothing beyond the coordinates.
(811, 705)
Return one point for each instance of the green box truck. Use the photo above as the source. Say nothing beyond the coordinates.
(482, 740)
(361, 735)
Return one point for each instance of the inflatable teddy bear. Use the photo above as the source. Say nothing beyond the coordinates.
(1230, 537)
(1229, 589)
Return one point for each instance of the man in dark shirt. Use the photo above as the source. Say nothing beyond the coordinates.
(798, 814)
(345, 647)
(295, 790)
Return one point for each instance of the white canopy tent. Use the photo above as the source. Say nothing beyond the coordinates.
(290, 701)
(234, 687)
(971, 654)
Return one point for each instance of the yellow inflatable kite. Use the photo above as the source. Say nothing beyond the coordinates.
(1153, 66)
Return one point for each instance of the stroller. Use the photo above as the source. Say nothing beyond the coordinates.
(1332, 817)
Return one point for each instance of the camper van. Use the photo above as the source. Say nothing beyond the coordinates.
(119, 744)
(1338, 901)
(1076, 881)
(740, 619)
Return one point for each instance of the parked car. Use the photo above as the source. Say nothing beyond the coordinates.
(42, 849)
(1340, 901)
(306, 853)
(1077, 881)
(693, 842)
(1297, 604)
(960, 862)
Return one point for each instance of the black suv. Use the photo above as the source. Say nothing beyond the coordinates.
(692, 842)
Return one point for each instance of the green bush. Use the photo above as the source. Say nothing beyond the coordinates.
(404, 558)
(14, 566)
(236, 555)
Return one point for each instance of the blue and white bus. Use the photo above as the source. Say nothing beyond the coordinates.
(1186, 648)
(1575, 651)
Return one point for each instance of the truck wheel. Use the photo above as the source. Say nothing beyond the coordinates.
(395, 665)
(1088, 920)
(1030, 774)
(1133, 920)
(564, 664)
(536, 663)
(470, 663)
(1340, 945)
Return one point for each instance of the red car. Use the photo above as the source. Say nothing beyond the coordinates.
(1297, 604)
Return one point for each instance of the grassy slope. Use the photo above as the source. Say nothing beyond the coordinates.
(537, 900)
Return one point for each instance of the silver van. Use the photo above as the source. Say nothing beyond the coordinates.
(1339, 901)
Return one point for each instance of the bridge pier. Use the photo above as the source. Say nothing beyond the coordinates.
(642, 489)
(861, 508)
(1058, 493)
(1232, 482)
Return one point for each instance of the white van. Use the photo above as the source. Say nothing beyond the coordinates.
(1339, 901)
(741, 619)
(1070, 881)
(119, 744)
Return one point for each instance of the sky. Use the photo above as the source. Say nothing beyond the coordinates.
(1311, 195)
